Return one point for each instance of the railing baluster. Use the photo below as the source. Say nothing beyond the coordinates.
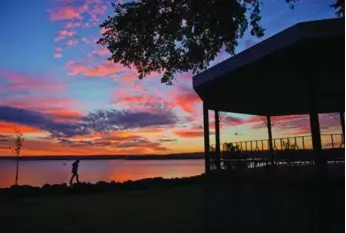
(303, 142)
(332, 140)
(274, 144)
(262, 145)
(288, 143)
(295, 141)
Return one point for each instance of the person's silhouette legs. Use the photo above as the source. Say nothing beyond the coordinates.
(71, 180)
(77, 178)
(74, 175)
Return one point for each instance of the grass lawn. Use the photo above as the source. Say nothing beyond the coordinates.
(176, 209)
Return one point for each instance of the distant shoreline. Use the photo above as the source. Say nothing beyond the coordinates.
(109, 157)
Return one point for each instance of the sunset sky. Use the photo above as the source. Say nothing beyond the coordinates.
(59, 90)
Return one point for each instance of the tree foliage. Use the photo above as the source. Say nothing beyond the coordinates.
(18, 144)
(169, 36)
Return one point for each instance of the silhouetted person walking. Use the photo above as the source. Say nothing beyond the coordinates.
(75, 171)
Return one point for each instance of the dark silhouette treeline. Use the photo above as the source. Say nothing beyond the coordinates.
(197, 155)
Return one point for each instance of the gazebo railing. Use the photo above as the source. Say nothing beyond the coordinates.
(329, 141)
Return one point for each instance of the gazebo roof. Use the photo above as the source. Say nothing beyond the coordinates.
(281, 74)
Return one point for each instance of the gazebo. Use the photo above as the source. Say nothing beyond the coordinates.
(300, 70)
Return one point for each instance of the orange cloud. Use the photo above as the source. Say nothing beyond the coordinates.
(149, 131)
(45, 147)
(8, 128)
(186, 98)
(189, 134)
(194, 131)
(105, 145)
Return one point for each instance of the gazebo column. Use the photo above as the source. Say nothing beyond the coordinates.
(316, 137)
(206, 138)
(342, 120)
(315, 124)
(270, 138)
(217, 141)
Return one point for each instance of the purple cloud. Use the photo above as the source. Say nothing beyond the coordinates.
(98, 121)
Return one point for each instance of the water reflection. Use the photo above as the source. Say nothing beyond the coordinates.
(37, 173)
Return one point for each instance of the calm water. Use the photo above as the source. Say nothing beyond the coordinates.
(37, 173)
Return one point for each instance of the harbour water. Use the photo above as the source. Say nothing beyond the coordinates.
(38, 173)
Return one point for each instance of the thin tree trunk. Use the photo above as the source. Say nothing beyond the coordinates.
(17, 168)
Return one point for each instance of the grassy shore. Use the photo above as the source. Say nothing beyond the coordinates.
(251, 200)
(175, 209)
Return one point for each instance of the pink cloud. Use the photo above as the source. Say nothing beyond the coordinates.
(290, 125)
(86, 40)
(58, 52)
(101, 70)
(71, 25)
(101, 51)
(64, 34)
(23, 82)
(83, 8)
(300, 125)
(185, 77)
(39, 93)
(228, 120)
(97, 10)
(71, 42)
(57, 55)
(142, 101)
(65, 13)
(59, 108)
(103, 30)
